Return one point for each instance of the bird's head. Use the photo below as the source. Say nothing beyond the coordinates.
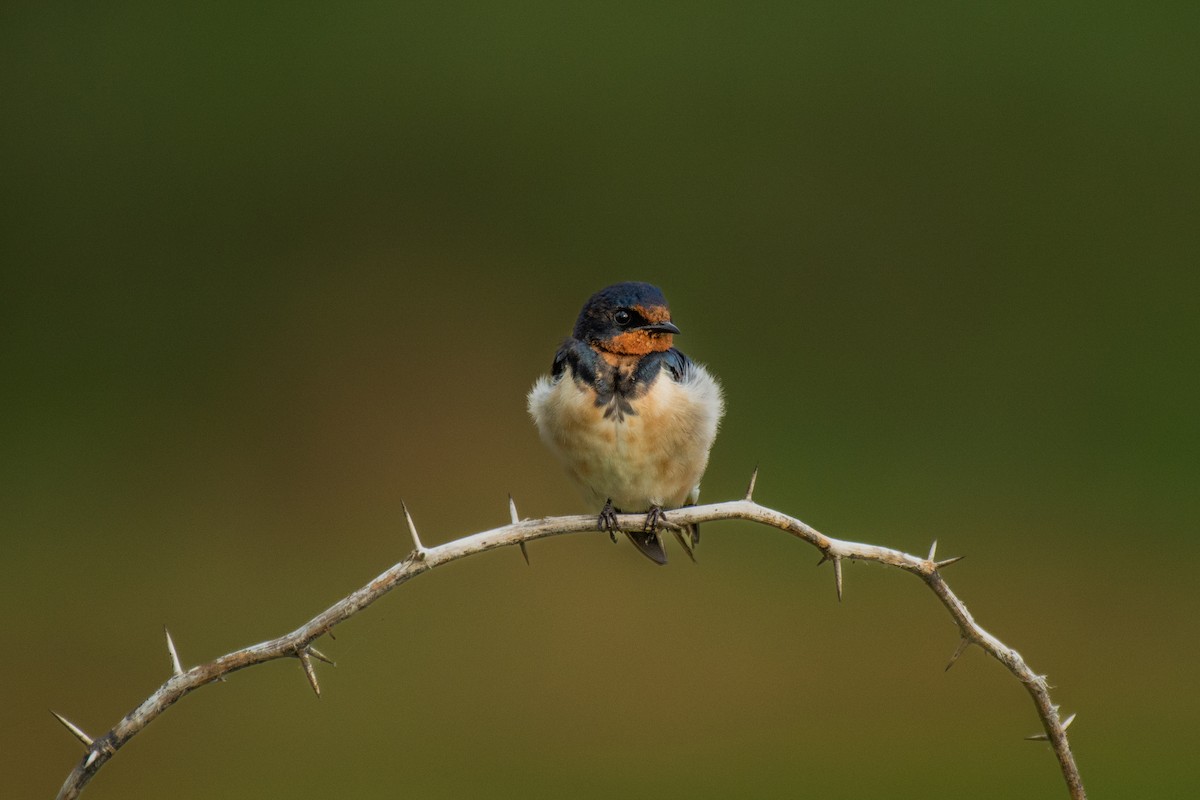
(630, 318)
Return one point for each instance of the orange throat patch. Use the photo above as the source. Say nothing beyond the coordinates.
(638, 343)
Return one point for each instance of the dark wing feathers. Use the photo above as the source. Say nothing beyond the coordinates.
(678, 365)
(581, 358)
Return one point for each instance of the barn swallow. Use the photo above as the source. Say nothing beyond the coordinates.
(630, 417)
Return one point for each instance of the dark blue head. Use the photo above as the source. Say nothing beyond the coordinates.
(630, 318)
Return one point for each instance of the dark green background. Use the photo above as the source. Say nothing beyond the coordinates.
(267, 271)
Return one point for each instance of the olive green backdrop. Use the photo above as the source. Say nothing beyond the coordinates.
(268, 271)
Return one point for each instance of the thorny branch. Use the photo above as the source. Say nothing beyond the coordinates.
(299, 643)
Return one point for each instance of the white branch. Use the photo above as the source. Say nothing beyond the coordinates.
(298, 643)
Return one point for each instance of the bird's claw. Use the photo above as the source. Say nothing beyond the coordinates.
(608, 520)
(655, 518)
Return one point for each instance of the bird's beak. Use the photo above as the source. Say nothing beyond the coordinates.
(659, 327)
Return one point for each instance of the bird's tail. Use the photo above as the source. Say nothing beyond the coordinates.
(688, 538)
(650, 544)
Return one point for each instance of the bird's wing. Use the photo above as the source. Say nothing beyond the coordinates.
(678, 365)
(579, 357)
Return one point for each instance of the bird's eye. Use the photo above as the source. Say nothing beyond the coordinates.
(622, 317)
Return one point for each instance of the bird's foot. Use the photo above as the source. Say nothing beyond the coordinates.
(655, 518)
(608, 520)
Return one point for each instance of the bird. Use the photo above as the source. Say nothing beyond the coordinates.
(629, 416)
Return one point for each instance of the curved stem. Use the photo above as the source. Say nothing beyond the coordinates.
(298, 643)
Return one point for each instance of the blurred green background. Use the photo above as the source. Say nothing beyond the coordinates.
(268, 270)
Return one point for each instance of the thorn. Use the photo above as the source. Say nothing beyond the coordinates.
(176, 667)
(963, 644)
(837, 575)
(753, 480)
(309, 672)
(824, 558)
(512, 513)
(932, 551)
(412, 529)
(74, 729)
(92, 756)
(319, 656)
(1042, 737)
(947, 562)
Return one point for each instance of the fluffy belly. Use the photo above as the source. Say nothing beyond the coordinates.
(655, 455)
